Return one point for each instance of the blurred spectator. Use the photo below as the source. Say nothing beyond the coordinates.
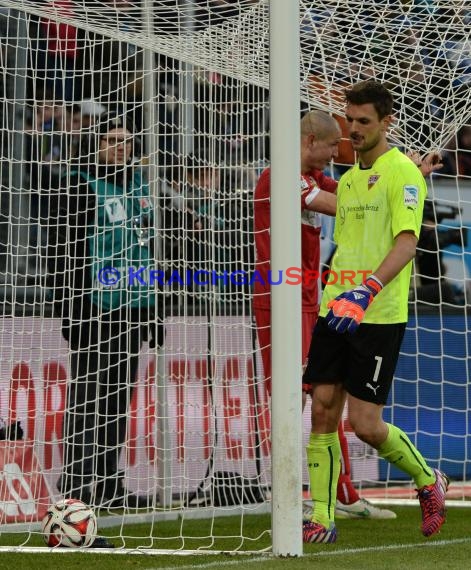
(240, 178)
(168, 108)
(117, 64)
(222, 240)
(432, 285)
(169, 19)
(238, 237)
(201, 192)
(58, 57)
(48, 150)
(457, 157)
(233, 114)
(201, 223)
(176, 220)
(47, 143)
(102, 219)
(90, 110)
(84, 116)
(463, 154)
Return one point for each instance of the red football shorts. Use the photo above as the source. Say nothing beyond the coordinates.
(263, 322)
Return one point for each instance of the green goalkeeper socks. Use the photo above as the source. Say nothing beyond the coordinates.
(399, 450)
(323, 463)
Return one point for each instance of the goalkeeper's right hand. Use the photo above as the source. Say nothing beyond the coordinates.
(348, 309)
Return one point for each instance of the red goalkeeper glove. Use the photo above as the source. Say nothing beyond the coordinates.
(348, 309)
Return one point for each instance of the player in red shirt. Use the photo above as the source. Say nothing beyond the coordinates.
(320, 136)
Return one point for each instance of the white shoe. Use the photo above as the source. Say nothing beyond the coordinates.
(308, 506)
(362, 509)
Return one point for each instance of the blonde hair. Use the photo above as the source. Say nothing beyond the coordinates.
(318, 123)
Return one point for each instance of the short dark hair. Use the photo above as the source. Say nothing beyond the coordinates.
(373, 92)
(110, 120)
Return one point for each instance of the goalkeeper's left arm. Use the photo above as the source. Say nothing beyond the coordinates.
(348, 309)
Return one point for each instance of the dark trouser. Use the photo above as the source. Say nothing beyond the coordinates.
(98, 397)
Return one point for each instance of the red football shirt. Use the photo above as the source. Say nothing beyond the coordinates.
(310, 241)
(62, 38)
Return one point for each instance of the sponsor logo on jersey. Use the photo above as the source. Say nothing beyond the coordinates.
(372, 180)
(411, 196)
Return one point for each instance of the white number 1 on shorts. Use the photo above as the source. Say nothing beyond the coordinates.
(379, 360)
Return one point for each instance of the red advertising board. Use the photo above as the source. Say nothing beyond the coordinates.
(214, 403)
(24, 494)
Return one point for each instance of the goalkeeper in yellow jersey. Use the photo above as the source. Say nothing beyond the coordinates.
(356, 342)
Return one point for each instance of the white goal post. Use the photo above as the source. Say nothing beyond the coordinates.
(212, 91)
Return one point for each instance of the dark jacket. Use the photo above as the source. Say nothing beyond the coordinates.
(72, 219)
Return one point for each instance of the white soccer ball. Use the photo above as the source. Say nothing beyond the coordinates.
(69, 523)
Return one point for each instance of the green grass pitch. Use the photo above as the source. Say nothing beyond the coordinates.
(361, 545)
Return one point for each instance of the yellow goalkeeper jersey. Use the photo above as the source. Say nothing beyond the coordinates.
(374, 205)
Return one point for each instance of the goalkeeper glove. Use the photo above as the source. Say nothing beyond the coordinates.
(348, 309)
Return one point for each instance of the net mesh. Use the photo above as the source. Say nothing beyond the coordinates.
(421, 48)
(192, 80)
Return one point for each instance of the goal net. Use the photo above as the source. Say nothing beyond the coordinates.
(159, 426)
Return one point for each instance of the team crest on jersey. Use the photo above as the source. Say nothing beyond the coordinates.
(372, 180)
(411, 196)
(144, 202)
